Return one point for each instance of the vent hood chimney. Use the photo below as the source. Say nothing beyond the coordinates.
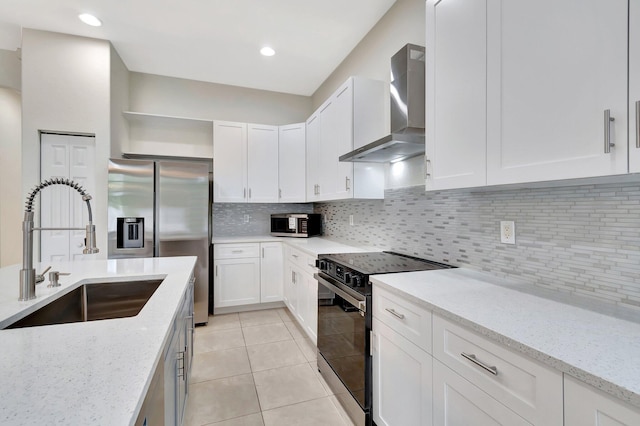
(407, 112)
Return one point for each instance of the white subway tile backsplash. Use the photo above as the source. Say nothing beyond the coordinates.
(583, 240)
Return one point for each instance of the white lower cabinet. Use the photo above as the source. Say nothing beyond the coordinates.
(584, 405)
(456, 402)
(301, 290)
(247, 273)
(271, 279)
(401, 380)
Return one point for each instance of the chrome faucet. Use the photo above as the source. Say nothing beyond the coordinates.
(28, 278)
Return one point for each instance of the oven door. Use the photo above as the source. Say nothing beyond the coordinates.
(343, 345)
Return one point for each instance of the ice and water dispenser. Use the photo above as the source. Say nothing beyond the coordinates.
(130, 232)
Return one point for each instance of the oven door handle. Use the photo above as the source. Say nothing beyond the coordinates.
(360, 304)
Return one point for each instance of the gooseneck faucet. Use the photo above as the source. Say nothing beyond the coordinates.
(28, 278)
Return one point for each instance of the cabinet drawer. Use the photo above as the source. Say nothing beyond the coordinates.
(406, 318)
(236, 251)
(528, 388)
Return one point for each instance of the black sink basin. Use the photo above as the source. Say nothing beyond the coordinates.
(91, 302)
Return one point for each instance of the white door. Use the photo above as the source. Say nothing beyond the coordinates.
(634, 86)
(586, 406)
(236, 282)
(401, 380)
(262, 163)
(554, 68)
(313, 157)
(456, 402)
(290, 293)
(309, 286)
(69, 157)
(271, 279)
(342, 140)
(291, 163)
(229, 162)
(456, 99)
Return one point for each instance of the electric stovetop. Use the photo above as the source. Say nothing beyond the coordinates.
(384, 262)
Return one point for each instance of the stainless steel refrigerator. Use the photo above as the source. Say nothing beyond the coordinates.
(160, 208)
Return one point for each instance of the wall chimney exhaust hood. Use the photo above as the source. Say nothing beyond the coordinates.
(407, 112)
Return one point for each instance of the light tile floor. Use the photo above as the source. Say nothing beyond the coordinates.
(258, 369)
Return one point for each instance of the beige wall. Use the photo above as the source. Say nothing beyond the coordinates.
(11, 200)
(188, 98)
(10, 69)
(119, 102)
(65, 87)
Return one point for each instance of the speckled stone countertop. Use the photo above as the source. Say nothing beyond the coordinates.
(598, 349)
(87, 373)
(312, 245)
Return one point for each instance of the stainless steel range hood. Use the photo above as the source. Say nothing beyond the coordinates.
(407, 112)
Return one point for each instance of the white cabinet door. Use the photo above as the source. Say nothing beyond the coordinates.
(327, 160)
(401, 380)
(554, 68)
(456, 94)
(291, 289)
(291, 163)
(456, 402)
(340, 116)
(271, 279)
(262, 163)
(309, 305)
(586, 406)
(229, 162)
(634, 86)
(313, 157)
(236, 282)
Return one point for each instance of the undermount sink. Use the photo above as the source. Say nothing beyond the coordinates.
(91, 302)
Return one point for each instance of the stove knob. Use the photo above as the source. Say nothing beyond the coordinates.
(347, 278)
(321, 264)
(356, 281)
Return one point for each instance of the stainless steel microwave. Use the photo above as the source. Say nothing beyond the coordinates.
(301, 225)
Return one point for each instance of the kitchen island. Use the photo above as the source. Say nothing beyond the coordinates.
(81, 373)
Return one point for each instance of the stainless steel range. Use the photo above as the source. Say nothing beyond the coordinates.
(344, 322)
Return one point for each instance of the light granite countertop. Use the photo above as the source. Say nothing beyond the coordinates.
(88, 373)
(598, 349)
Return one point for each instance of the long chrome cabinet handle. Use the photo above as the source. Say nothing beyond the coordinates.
(394, 313)
(637, 124)
(607, 131)
(471, 357)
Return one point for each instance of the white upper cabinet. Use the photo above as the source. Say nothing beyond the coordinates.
(245, 163)
(554, 68)
(291, 163)
(456, 94)
(634, 86)
(262, 163)
(353, 116)
(521, 91)
(229, 162)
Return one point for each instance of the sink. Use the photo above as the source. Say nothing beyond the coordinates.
(92, 302)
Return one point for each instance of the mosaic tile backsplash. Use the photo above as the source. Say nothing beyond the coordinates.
(582, 240)
(229, 218)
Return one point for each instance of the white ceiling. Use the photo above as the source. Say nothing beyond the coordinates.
(212, 40)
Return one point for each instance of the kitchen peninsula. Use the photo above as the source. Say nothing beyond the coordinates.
(95, 372)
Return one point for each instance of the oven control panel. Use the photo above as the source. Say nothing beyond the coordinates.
(342, 273)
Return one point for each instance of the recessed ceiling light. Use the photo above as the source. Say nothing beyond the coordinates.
(267, 51)
(90, 19)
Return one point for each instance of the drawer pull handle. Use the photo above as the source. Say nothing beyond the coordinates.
(471, 357)
(394, 313)
(236, 251)
(295, 255)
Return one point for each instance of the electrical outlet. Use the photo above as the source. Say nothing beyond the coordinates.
(508, 232)
(247, 218)
(351, 219)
